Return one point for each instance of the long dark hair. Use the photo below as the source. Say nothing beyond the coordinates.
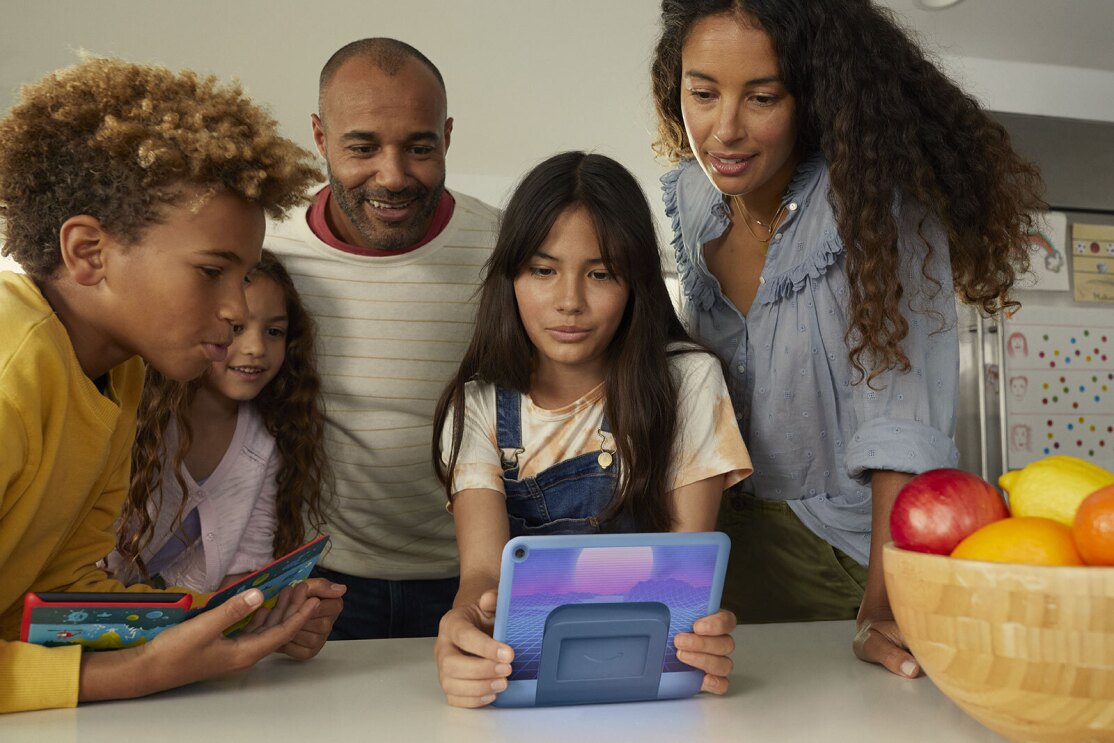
(291, 410)
(640, 395)
(894, 129)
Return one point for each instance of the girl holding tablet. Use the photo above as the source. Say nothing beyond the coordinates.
(581, 406)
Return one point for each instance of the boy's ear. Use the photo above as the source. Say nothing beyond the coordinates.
(82, 240)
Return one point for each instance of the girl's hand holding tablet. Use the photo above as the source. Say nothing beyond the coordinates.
(471, 665)
(709, 647)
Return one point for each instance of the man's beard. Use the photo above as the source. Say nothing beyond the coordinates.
(381, 235)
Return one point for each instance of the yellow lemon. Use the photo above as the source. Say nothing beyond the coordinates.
(1025, 539)
(1053, 487)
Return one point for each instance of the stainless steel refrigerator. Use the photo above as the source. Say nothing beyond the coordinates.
(1042, 381)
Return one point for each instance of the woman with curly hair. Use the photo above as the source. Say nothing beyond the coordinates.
(134, 199)
(236, 454)
(834, 192)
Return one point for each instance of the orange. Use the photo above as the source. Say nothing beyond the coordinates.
(1032, 540)
(1093, 527)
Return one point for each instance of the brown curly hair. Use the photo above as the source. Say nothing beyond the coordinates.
(117, 141)
(893, 129)
(290, 406)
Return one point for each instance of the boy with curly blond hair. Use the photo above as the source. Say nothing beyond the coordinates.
(134, 199)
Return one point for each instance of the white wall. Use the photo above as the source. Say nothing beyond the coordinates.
(526, 78)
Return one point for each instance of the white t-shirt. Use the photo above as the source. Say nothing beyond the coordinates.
(391, 331)
(708, 439)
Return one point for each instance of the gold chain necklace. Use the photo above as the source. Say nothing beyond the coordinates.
(747, 219)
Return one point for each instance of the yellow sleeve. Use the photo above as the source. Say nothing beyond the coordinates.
(34, 677)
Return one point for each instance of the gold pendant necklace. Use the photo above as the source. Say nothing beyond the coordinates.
(606, 456)
(747, 219)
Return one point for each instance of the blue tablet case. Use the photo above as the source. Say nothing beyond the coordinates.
(592, 617)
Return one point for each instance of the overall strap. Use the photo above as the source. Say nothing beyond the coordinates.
(508, 427)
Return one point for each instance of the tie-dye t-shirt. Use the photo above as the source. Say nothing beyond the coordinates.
(709, 442)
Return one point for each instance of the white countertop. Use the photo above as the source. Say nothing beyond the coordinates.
(792, 682)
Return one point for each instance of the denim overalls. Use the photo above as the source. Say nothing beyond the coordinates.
(563, 499)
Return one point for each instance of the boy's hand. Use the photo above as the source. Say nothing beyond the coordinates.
(191, 651)
(708, 648)
(471, 665)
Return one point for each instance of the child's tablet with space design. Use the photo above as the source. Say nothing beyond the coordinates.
(125, 619)
(592, 618)
(100, 621)
(287, 570)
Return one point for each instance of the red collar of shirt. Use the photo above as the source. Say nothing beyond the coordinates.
(320, 226)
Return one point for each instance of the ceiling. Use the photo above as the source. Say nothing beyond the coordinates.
(1074, 33)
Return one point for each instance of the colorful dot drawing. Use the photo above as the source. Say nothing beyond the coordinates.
(1059, 371)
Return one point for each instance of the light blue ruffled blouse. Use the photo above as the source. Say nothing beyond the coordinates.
(814, 434)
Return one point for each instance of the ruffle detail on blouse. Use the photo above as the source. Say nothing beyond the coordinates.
(822, 252)
(696, 289)
(785, 284)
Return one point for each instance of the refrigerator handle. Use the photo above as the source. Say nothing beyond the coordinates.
(980, 364)
(1003, 427)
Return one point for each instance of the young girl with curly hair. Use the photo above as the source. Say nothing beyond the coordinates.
(835, 192)
(581, 406)
(226, 468)
(134, 198)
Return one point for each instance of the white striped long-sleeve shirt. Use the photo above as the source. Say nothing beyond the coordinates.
(391, 332)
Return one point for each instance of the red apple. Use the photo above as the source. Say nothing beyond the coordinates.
(937, 509)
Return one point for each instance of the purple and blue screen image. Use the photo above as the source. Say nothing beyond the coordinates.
(678, 576)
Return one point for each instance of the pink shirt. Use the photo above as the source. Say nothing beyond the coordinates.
(236, 505)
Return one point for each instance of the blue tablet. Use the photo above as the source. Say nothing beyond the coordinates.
(591, 618)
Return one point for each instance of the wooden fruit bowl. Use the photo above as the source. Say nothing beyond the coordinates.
(1026, 650)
